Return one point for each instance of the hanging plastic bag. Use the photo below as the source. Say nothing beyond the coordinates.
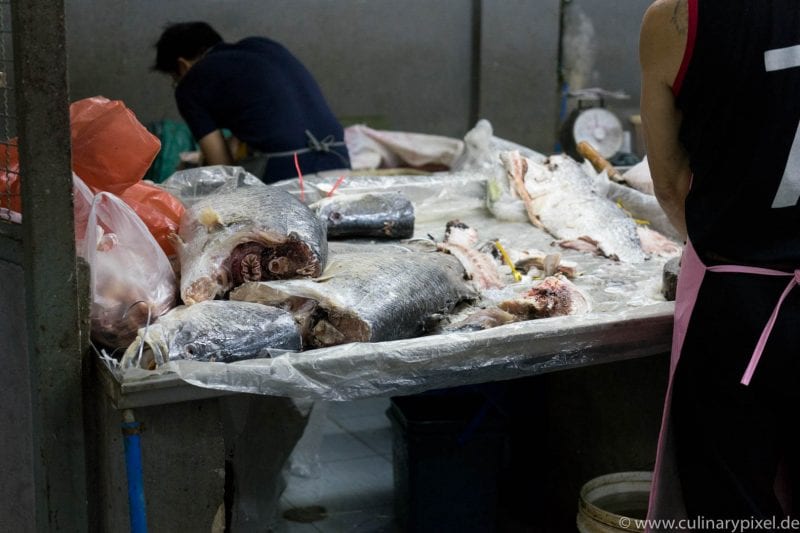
(10, 196)
(111, 149)
(159, 210)
(132, 282)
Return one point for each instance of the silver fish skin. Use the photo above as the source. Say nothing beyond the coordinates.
(387, 215)
(569, 204)
(368, 296)
(248, 234)
(215, 331)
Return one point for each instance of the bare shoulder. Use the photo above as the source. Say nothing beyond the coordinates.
(663, 36)
(673, 13)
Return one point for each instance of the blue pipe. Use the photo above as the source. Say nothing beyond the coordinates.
(133, 467)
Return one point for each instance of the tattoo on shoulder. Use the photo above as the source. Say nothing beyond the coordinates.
(680, 17)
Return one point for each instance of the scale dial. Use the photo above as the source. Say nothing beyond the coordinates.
(600, 128)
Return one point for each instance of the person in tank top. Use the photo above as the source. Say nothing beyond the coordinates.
(720, 105)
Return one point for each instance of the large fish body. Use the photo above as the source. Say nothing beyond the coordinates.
(571, 205)
(388, 215)
(214, 331)
(369, 296)
(249, 234)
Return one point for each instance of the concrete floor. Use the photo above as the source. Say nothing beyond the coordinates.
(347, 470)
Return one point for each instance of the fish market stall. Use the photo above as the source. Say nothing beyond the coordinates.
(482, 329)
(628, 315)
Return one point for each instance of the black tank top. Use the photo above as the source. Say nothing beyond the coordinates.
(739, 91)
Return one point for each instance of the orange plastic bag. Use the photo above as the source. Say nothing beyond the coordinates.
(111, 149)
(159, 210)
(10, 186)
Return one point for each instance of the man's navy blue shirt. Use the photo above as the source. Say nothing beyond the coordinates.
(265, 96)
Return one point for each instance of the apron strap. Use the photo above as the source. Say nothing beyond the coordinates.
(314, 145)
(762, 341)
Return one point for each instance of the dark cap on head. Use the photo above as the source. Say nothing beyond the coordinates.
(185, 39)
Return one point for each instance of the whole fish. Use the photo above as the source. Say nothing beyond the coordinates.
(564, 200)
(249, 234)
(219, 330)
(386, 294)
(388, 215)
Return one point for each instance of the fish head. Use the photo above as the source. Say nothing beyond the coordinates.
(563, 168)
(542, 178)
(195, 343)
(333, 218)
(556, 174)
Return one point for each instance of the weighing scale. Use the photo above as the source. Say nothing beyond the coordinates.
(591, 122)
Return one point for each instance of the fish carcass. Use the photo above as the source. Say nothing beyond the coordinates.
(552, 296)
(564, 200)
(249, 234)
(460, 241)
(214, 331)
(383, 294)
(388, 215)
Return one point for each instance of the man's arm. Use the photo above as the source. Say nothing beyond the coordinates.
(215, 149)
(661, 47)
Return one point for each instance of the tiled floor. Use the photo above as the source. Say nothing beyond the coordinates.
(349, 472)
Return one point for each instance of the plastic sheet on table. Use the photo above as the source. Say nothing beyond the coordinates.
(629, 317)
(364, 370)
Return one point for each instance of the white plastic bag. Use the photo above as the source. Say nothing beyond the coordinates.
(82, 198)
(131, 280)
(371, 149)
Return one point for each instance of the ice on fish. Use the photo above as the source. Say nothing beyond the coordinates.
(561, 198)
(368, 296)
(214, 331)
(386, 215)
(248, 234)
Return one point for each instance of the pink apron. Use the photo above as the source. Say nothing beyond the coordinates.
(666, 499)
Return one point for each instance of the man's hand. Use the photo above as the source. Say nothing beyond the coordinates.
(215, 149)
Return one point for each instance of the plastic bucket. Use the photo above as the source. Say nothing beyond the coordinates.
(614, 502)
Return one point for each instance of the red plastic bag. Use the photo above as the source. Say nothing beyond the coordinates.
(159, 210)
(10, 197)
(111, 149)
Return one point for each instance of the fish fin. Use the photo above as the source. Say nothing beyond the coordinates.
(581, 244)
(551, 263)
(516, 174)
